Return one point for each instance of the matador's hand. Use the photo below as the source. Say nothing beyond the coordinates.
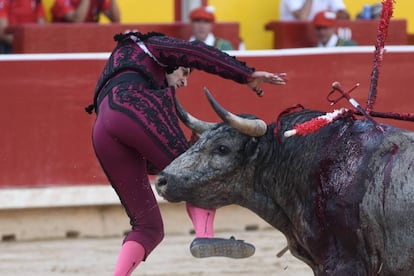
(260, 77)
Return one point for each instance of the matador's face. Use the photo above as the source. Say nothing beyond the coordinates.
(179, 77)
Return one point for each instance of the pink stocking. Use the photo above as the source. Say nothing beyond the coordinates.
(132, 253)
(203, 221)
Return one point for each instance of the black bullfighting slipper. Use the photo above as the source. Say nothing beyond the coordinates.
(219, 247)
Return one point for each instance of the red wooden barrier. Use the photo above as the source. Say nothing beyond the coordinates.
(298, 34)
(46, 137)
(90, 37)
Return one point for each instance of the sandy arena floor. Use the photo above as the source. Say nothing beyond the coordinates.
(172, 257)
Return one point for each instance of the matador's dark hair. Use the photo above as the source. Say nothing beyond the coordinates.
(141, 36)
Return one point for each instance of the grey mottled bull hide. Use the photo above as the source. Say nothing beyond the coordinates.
(343, 197)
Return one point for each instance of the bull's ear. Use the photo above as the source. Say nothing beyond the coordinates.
(251, 147)
(196, 125)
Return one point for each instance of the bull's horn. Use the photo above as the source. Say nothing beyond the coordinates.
(251, 127)
(191, 122)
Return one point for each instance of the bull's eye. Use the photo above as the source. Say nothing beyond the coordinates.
(222, 150)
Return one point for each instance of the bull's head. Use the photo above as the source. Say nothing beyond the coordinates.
(210, 174)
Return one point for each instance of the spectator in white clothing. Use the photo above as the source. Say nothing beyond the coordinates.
(291, 10)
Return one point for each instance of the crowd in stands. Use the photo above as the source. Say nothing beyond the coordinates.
(13, 12)
(84, 10)
(324, 16)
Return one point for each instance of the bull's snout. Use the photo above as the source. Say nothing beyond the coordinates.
(161, 184)
(166, 189)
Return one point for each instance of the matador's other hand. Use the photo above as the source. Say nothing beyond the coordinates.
(260, 77)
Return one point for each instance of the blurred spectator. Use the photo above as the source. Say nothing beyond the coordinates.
(374, 12)
(307, 9)
(84, 10)
(202, 22)
(325, 24)
(13, 12)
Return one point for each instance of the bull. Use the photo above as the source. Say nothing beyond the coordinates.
(343, 197)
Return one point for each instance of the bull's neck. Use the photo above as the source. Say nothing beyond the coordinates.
(270, 211)
(277, 195)
(271, 199)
